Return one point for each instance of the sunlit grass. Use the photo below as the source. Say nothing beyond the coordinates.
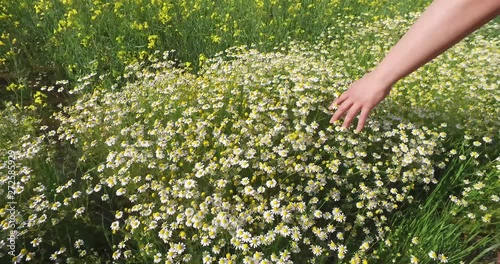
(139, 159)
(68, 38)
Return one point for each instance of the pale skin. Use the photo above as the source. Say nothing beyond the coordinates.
(441, 25)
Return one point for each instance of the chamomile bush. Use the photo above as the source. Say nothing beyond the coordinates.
(239, 164)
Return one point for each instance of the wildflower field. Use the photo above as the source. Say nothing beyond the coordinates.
(197, 131)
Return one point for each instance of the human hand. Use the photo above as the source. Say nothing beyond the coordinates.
(361, 97)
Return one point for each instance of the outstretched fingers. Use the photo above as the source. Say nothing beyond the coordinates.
(363, 116)
(338, 101)
(359, 99)
(343, 108)
(353, 112)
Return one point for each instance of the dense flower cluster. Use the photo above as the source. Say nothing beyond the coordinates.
(241, 160)
(239, 163)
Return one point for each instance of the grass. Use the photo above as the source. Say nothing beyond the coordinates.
(108, 136)
(69, 39)
(436, 225)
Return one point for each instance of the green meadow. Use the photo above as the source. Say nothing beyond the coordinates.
(197, 131)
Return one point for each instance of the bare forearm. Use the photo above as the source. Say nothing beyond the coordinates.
(443, 24)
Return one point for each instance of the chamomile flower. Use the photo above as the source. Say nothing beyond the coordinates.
(433, 255)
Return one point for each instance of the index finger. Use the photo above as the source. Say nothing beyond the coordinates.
(338, 101)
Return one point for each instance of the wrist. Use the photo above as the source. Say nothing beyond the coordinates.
(383, 79)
